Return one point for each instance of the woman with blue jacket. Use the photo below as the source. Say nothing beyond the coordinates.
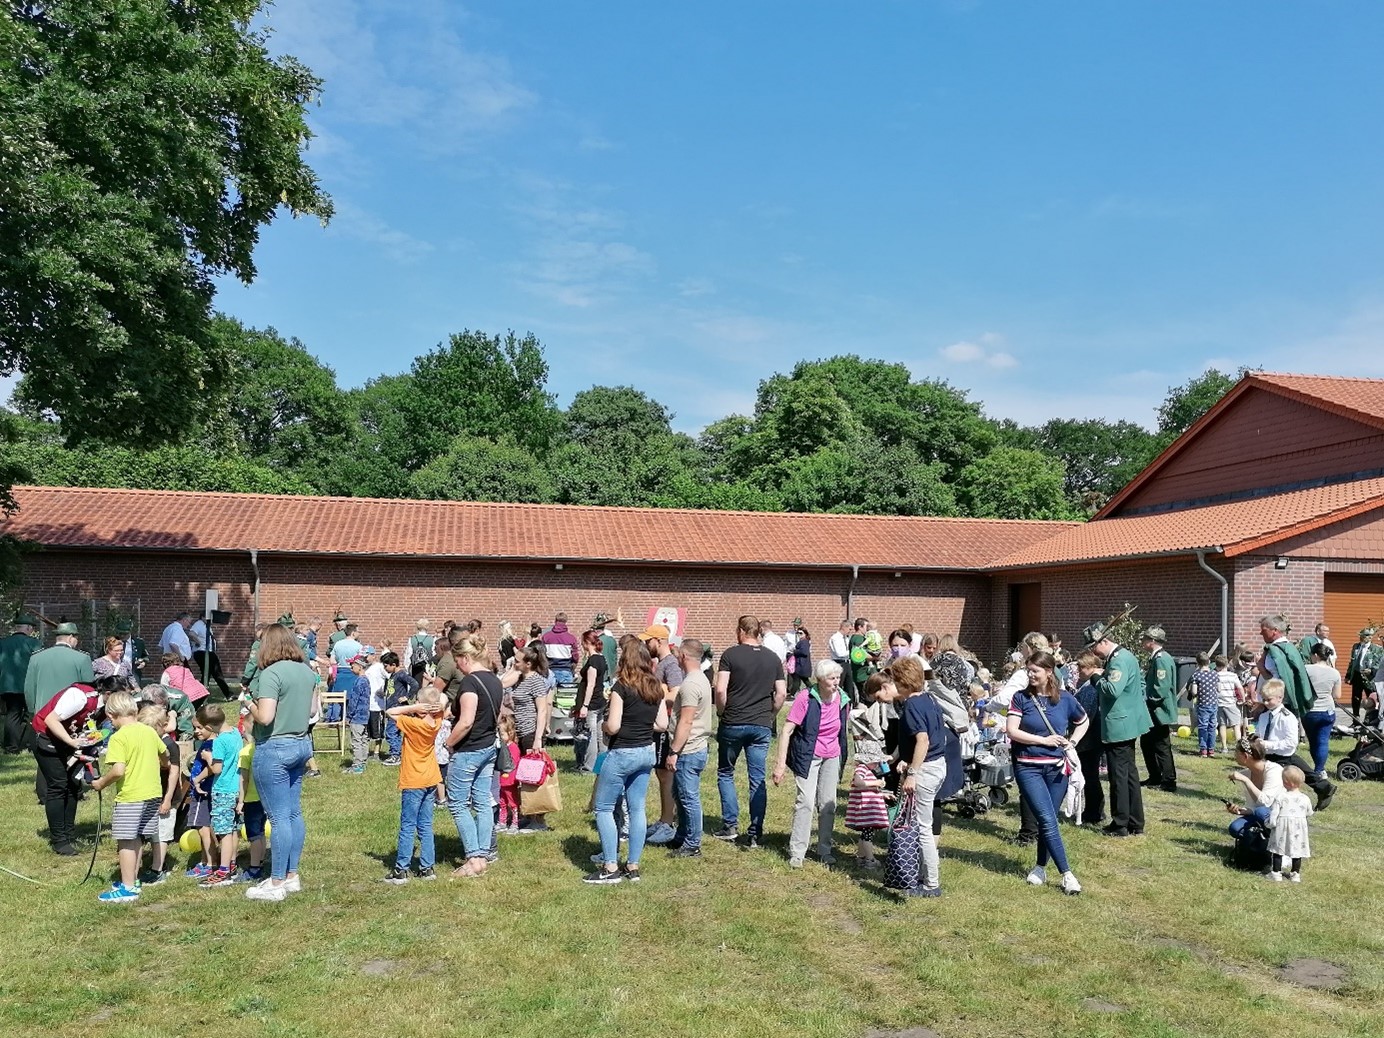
(813, 744)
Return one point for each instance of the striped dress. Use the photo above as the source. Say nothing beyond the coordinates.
(866, 809)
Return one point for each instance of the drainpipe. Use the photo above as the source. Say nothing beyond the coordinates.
(254, 565)
(850, 593)
(1225, 598)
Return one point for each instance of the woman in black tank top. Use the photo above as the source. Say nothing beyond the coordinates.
(472, 742)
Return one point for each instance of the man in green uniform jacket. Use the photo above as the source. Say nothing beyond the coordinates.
(1282, 660)
(1160, 694)
(247, 676)
(1364, 661)
(1123, 718)
(55, 668)
(14, 665)
(339, 633)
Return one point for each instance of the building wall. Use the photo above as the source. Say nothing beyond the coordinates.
(1262, 440)
(1262, 590)
(1175, 593)
(386, 596)
(1354, 539)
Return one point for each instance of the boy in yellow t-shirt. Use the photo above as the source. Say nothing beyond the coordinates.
(135, 757)
(250, 809)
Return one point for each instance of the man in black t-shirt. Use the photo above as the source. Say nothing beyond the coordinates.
(750, 690)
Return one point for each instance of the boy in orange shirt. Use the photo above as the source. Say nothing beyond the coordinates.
(418, 778)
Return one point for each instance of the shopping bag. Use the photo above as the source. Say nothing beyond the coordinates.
(542, 799)
(901, 863)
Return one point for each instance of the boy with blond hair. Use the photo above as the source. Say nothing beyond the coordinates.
(134, 756)
(419, 775)
(224, 763)
(164, 722)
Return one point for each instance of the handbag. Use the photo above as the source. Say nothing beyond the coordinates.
(532, 769)
(901, 862)
(542, 799)
(504, 760)
(1071, 763)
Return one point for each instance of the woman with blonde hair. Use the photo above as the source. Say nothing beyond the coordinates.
(472, 745)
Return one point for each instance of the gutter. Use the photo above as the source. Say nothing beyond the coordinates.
(254, 565)
(1102, 560)
(1225, 596)
(850, 591)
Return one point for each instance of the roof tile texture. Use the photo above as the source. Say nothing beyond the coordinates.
(161, 519)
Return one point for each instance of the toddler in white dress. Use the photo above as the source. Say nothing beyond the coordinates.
(1288, 828)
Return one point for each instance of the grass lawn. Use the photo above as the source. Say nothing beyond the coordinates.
(1165, 940)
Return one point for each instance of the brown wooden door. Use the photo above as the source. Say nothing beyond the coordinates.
(1350, 601)
(1025, 610)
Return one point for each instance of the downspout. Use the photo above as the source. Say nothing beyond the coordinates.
(254, 565)
(1225, 599)
(850, 593)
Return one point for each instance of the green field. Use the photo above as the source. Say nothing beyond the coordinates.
(1165, 940)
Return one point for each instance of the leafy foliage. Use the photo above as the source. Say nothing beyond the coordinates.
(1186, 403)
(1010, 483)
(144, 145)
(169, 467)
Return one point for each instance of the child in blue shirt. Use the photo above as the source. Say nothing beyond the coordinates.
(224, 765)
(399, 691)
(199, 799)
(358, 714)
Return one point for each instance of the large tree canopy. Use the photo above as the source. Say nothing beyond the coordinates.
(143, 144)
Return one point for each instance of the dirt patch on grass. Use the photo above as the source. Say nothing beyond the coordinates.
(1100, 1005)
(1317, 974)
(379, 967)
(911, 1032)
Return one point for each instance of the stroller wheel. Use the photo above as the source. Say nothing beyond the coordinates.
(1349, 771)
(999, 796)
(967, 811)
(982, 803)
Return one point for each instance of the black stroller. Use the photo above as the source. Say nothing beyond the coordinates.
(1367, 759)
(988, 775)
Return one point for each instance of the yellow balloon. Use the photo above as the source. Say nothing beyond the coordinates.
(1184, 732)
(190, 842)
(243, 834)
(268, 828)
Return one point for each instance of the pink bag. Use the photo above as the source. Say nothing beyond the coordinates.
(532, 770)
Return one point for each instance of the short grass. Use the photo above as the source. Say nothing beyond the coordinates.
(1165, 941)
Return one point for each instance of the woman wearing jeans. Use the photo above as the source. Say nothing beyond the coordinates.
(1326, 686)
(472, 743)
(280, 707)
(635, 710)
(1043, 721)
(922, 752)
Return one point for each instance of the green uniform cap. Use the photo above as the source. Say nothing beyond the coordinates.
(1156, 634)
(1093, 634)
(26, 620)
(340, 618)
(64, 629)
(286, 620)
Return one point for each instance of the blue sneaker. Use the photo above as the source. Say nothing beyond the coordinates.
(118, 894)
(660, 833)
(359, 769)
(199, 871)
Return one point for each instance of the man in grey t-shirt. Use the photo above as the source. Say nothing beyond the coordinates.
(687, 755)
(657, 638)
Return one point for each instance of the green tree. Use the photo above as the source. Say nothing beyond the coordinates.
(1098, 457)
(1186, 403)
(167, 467)
(282, 406)
(477, 469)
(145, 143)
(1009, 483)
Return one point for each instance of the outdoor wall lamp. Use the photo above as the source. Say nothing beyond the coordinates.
(1281, 562)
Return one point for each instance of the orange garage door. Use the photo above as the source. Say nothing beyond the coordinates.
(1350, 601)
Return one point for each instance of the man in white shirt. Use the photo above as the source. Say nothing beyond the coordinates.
(378, 678)
(174, 637)
(839, 649)
(1280, 732)
(772, 641)
(205, 657)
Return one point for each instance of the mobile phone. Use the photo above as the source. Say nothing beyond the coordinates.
(883, 767)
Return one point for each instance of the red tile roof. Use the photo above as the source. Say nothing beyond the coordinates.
(183, 521)
(1361, 399)
(1236, 526)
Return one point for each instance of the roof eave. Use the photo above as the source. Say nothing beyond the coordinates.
(1134, 557)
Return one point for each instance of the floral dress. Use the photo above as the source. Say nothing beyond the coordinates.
(1288, 825)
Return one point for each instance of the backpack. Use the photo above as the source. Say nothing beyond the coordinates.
(420, 657)
(1251, 850)
(790, 664)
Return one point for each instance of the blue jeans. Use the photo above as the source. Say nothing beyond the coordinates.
(415, 819)
(393, 737)
(623, 773)
(1206, 727)
(754, 739)
(278, 768)
(687, 791)
(1319, 724)
(1258, 814)
(468, 790)
(1044, 786)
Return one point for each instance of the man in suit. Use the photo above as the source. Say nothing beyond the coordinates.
(1123, 718)
(1364, 661)
(1160, 695)
(15, 652)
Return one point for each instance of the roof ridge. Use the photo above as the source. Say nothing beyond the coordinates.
(524, 505)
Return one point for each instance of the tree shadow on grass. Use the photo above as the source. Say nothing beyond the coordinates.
(990, 861)
(1203, 846)
(578, 850)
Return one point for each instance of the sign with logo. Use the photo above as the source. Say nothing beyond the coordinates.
(671, 617)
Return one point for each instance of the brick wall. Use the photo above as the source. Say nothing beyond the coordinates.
(1359, 538)
(1175, 593)
(1262, 440)
(386, 596)
(1261, 590)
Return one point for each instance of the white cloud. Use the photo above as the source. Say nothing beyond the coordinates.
(406, 66)
(984, 350)
(352, 222)
(691, 288)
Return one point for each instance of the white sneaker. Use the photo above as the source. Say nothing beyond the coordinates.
(1295, 877)
(266, 891)
(1276, 877)
(1037, 876)
(293, 884)
(1070, 884)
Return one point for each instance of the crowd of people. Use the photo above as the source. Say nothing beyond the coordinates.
(467, 727)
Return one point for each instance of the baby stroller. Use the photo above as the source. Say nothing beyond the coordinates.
(988, 773)
(1367, 758)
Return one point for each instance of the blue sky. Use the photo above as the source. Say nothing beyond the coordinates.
(1062, 207)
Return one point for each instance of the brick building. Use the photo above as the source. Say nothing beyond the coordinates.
(1274, 500)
